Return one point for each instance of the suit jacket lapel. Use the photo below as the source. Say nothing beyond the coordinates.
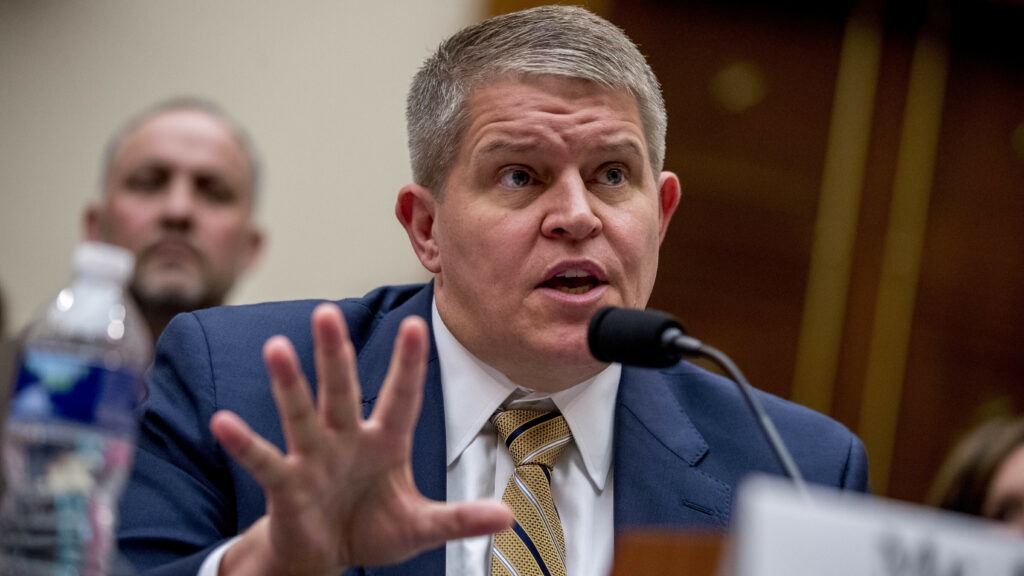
(428, 456)
(657, 448)
(657, 455)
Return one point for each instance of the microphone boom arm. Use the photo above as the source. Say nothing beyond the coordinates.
(676, 340)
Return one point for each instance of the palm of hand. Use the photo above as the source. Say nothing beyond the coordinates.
(344, 493)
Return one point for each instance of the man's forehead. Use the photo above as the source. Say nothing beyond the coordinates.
(183, 134)
(556, 94)
(513, 115)
(570, 85)
(184, 122)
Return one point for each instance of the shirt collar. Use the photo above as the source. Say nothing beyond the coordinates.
(473, 391)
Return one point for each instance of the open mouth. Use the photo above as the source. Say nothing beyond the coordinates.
(574, 281)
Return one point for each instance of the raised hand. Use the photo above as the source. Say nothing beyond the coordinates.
(344, 494)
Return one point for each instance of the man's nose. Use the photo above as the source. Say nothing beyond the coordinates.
(179, 203)
(570, 213)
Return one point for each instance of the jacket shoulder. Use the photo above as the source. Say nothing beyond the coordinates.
(826, 451)
(253, 323)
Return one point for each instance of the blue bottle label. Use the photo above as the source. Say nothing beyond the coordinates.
(55, 386)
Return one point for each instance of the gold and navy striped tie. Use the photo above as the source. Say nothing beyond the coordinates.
(534, 546)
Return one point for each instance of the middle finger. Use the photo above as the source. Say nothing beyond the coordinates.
(336, 368)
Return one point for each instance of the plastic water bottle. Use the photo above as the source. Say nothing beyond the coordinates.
(69, 439)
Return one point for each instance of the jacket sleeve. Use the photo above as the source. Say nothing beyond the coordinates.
(177, 505)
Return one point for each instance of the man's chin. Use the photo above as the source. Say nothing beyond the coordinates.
(171, 297)
(563, 347)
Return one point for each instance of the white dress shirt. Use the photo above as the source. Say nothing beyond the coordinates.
(479, 465)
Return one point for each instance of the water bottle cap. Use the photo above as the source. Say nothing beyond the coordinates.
(104, 260)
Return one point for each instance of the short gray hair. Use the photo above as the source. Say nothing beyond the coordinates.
(564, 41)
(184, 103)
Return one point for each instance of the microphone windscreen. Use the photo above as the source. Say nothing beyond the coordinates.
(634, 337)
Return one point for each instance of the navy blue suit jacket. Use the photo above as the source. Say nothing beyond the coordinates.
(683, 436)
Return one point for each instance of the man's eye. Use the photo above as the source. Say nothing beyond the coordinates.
(214, 189)
(147, 180)
(516, 178)
(614, 176)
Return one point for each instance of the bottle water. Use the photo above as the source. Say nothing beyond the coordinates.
(69, 439)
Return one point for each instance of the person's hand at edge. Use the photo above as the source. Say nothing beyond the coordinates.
(344, 494)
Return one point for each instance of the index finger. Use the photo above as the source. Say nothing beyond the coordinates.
(293, 397)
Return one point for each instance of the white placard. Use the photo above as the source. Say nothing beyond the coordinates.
(780, 533)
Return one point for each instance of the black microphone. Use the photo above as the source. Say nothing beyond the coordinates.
(655, 339)
(647, 338)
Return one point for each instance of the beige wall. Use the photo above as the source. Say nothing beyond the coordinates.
(319, 83)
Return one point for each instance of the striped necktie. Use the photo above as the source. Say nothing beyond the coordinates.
(534, 546)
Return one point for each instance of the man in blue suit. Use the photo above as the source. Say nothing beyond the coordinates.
(537, 142)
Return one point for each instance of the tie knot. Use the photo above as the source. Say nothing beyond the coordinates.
(533, 436)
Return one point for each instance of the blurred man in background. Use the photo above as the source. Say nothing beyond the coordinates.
(179, 190)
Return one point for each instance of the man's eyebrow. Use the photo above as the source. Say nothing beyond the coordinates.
(506, 146)
(148, 163)
(627, 146)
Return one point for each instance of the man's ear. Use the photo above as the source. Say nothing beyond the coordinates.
(255, 247)
(91, 225)
(668, 198)
(415, 209)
